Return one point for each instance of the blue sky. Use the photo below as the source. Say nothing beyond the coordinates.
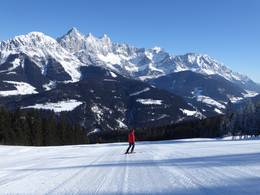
(228, 30)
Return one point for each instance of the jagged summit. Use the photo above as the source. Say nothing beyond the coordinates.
(41, 49)
(37, 39)
(73, 30)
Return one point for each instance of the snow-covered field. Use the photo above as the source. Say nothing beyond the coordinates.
(198, 166)
(66, 105)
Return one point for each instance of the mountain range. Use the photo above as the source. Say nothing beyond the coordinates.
(113, 85)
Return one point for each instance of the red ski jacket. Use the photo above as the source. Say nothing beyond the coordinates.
(131, 137)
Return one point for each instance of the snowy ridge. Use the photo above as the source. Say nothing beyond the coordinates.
(40, 48)
(74, 50)
(210, 101)
(202, 63)
(141, 63)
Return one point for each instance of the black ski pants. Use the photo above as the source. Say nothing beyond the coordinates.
(132, 146)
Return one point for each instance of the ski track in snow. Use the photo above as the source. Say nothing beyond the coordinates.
(198, 166)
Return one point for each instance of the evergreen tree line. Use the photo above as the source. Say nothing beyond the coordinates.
(38, 128)
(244, 121)
(45, 128)
(206, 128)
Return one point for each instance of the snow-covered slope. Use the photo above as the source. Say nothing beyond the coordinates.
(60, 106)
(185, 167)
(21, 89)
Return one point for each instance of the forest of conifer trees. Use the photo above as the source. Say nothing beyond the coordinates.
(35, 128)
(45, 128)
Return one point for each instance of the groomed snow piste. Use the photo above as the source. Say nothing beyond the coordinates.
(198, 166)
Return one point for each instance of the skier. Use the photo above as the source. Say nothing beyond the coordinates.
(131, 141)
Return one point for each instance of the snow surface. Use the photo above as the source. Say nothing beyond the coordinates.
(194, 113)
(61, 106)
(139, 92)
(98, 112)
(218, 111)
(250, 94)
(188, 112)
(149, 101)
(235, 99)
(183, 167)
(110, 58)
(113, 74)
(210, 101)
(49, 86)
(22, 88)
(121, 124)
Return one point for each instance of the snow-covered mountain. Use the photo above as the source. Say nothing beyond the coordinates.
(41, 49)
(64, 57)
(36, 64)
(206, 65)
(122, 58)
(142, 63)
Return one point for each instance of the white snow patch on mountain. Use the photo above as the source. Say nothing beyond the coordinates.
(98, 112)
(218, 111)
(61, 106)
(210, 101)
(163, 116)
(235, 99)
(144, 78)
(250, 94)
(17, 62)
(188, 112)
(96, 130)
(113, 74)
(49, 86)
(149, 101)
(110, 58)
(121, 124)
(139, 92)
(194, 113)
(10, 73)
(22, 88)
